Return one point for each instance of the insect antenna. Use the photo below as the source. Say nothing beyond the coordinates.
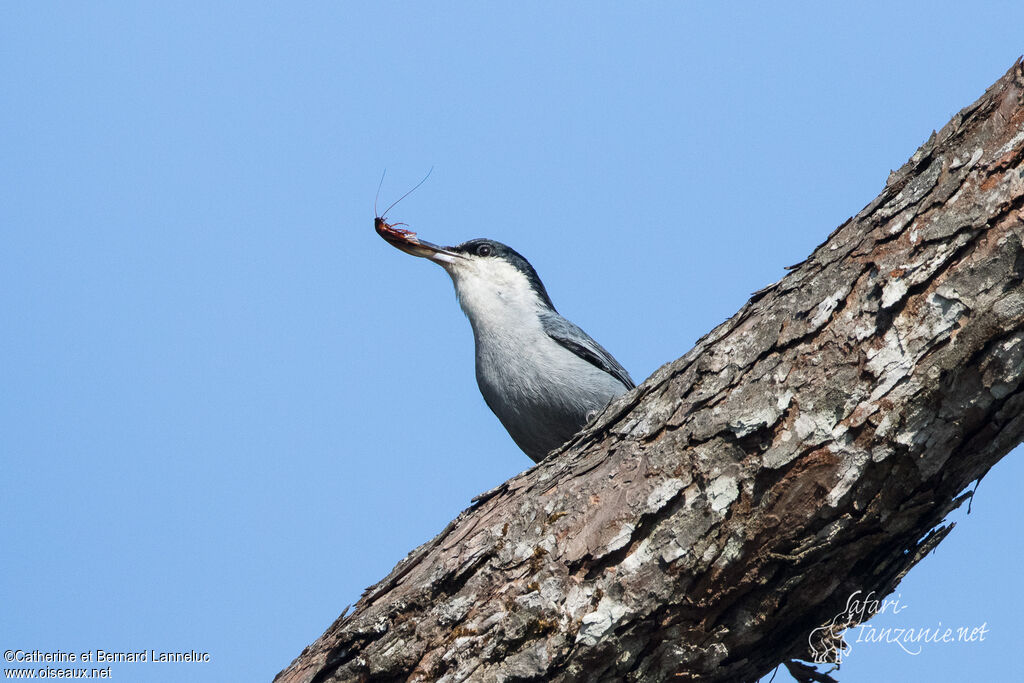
(376, 196)
(402, 197)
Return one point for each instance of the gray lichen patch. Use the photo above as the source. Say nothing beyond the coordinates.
(722, 491)
(597, 623)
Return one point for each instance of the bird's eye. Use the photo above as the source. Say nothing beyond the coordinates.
(483, 250)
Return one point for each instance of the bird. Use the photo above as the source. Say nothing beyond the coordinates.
(540, 374)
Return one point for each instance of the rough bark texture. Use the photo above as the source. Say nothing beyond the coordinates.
(807, 448)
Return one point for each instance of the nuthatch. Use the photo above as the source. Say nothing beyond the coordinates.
(543, 376)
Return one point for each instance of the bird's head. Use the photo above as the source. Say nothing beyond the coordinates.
(492, 280)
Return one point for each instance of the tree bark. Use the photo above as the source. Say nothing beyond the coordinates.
(805, 449)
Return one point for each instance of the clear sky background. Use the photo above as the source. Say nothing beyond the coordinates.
(228, 406)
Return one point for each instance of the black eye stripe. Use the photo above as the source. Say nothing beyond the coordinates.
(497, 250)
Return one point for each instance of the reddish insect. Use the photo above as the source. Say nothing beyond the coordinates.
(390, 231)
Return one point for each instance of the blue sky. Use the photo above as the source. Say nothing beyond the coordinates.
(228, 406)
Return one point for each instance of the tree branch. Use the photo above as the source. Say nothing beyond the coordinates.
(805, 449)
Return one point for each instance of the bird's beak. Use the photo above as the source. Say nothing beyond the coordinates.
(407, 241)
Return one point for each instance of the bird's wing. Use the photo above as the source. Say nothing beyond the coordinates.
(579, 342)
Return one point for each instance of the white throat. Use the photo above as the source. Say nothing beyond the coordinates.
(496, 297)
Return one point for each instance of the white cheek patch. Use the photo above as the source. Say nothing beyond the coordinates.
(494, 293)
